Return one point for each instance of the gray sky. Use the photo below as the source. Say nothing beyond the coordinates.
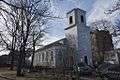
(95, 11)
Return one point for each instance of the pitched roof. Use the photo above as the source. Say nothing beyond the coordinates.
(61, 42)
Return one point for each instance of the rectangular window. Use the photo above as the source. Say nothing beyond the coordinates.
(46, 56)
(70, 20)
(52, 56)
(39, 57)
(42, 56)
(85, 59)
(82, 19)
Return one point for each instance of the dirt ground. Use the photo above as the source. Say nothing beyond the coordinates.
(6, 74)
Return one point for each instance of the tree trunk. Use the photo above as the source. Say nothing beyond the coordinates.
(19, 65)
(31, 66)
(22, 48)
(21, 60)
(12, 59)
(12, 62)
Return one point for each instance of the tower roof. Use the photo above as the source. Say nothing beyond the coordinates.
(76, 9)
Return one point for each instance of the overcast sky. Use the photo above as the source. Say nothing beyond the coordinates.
(95, 11)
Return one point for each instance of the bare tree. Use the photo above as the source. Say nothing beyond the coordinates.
(29, 16)
(99, 55)
(8, 33)
(117, 32)
(115, 7)
(37, 39)
(103, 25)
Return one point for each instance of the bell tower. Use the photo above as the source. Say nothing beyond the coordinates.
(78, 36)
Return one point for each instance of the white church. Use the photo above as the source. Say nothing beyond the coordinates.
(73, 49)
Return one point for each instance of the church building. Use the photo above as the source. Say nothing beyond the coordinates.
(78, 36)
(73, 49)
